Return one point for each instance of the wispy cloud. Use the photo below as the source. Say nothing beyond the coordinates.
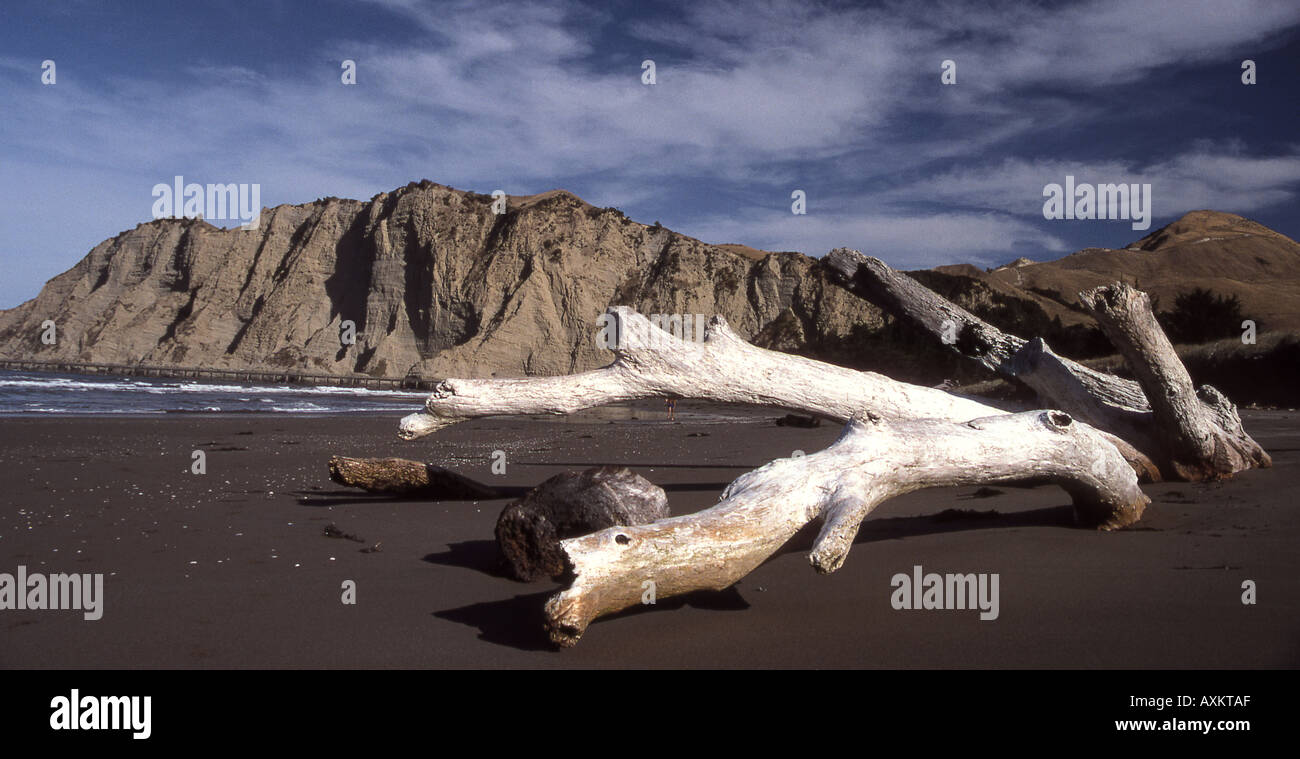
(1206, 176)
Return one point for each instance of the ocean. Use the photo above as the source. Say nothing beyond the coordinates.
(24, 393)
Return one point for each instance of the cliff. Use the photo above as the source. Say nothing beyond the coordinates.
(435, 282)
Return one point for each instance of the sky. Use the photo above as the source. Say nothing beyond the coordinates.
(751, 102)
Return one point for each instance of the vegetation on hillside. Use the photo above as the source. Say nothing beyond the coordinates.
(1201, 315)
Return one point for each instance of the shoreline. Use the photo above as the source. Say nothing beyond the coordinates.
(258, 376)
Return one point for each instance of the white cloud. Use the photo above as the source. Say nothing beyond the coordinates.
(1208, 176)
(1098, 43)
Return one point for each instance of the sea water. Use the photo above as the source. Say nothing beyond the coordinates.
(35, 393)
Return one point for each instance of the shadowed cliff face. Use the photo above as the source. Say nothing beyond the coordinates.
(434, 281)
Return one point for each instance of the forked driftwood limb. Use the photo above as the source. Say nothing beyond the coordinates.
(650, 362)
(1112, 404)
(407, 478)
(874, 459)
(1200, 431)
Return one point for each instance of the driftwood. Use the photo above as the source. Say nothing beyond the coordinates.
(407, 478)
(874, 459)
(570, 504)
(1200, 431)
(900, 438)
(649, 363)
(1197, 437)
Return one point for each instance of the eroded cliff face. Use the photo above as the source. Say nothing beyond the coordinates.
(435, 282)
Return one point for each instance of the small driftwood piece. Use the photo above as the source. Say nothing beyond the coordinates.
(1156, 442)
(874, 459)
(407, 478)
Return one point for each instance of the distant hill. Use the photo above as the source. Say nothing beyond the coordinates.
(1221, 252)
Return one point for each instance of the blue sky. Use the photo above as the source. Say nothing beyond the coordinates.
(752, 101)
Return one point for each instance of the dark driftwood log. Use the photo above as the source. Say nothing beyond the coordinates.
(570, 504)
(1154, 441)
(407, 478)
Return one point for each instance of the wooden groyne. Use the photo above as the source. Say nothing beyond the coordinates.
(249, 376)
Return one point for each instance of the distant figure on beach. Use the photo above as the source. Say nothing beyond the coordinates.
(671, 403)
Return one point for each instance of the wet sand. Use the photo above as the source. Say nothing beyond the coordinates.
(233, 569)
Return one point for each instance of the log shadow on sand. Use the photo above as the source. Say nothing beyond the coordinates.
(519, 622)
(359, 497)
(505, 492)
(890, 528)
(481, 555)
(896, 528)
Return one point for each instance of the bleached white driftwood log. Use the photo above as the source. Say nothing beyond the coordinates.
(1112, 404)
(1200, 431)
(650, 362)
(874, 459)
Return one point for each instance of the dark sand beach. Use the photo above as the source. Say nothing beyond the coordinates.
(233, 568)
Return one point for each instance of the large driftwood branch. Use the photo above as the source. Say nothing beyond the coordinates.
(1201, 432)
(873, 460)
(650, 362)
(923, 309)
(970, 336)
(1112, 404)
